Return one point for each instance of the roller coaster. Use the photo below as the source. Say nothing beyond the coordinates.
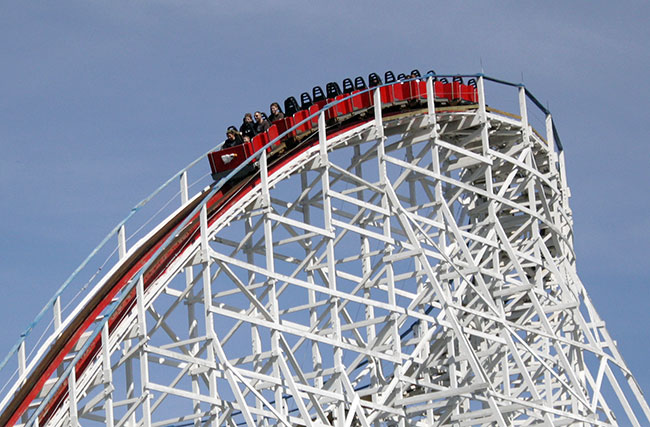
(393, 254)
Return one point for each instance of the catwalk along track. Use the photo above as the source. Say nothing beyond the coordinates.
(399, 254)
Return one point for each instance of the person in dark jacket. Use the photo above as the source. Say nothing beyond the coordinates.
(276, 112)
(233, 138)
(261, 124)
(247, 127)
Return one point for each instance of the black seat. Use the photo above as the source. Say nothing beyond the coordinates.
(318, 94)
(333, 89)
(348, 86)
(401, 76)
(374, 80)
(432, 73)
(444, 80)
(290, 106)
(472, 82)
(416, 73)
(360, 84)
(389, 77)
(305, 101)
(458, 79)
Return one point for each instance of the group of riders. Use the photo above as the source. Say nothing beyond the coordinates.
(252, 124)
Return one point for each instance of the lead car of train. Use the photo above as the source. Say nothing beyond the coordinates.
(354, 103)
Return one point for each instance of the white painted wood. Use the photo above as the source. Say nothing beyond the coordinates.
(418, 270)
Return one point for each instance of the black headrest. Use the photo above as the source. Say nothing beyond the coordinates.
(318, 94)
(333, 89)
(291, 106)
(374, 80)
(305, 100)
(359, 83)
(348, 86)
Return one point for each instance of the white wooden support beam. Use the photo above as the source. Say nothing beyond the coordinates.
(270, 265)
(384, 183)
(566, 193)
(56, 309)
(371, 332)
(21, 370)
(331, 259)
(121, 241)
(144, 357)
(379, 125)
(523, 112)
(482, 109)
(184, 188)
(108, 378)
(485, 143)
(264, 176)
(57, 324)
(316, 357)
(192, 325)
(191, 314)
(208, 315)
(529, 161)
(431, 107)
(130, 381)
(72, 399)
(256, 339)
(550, 138)
(21, 359)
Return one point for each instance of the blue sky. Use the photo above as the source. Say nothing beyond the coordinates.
(100, 102)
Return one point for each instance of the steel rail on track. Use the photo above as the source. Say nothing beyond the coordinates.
(148, 260)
